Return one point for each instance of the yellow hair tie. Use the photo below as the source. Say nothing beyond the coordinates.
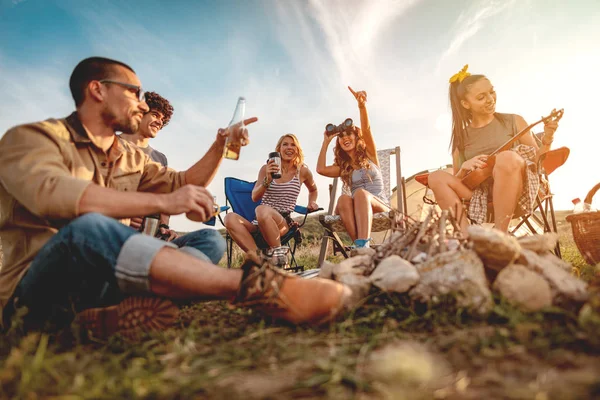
(460, 75)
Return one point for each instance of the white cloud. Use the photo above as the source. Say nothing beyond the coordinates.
(471, 21)
(330, 44)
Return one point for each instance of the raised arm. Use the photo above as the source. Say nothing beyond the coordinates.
(331, 171)
(365, 126)
(203, 172)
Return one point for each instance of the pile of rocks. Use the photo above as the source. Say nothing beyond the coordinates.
(431, 259)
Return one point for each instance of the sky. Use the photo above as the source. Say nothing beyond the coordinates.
(292, 60)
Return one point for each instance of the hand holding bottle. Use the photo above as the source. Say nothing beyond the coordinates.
(236, 133)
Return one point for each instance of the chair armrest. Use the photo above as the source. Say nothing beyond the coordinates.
(423, 179)
(305, 211)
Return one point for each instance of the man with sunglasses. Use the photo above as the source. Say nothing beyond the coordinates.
(63, 185)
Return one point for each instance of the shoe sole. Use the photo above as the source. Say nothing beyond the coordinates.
(130, 318)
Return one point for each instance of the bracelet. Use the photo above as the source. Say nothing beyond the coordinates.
(164, 226)
(266, 183)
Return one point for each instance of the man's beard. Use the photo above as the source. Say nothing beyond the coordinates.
(124, 125)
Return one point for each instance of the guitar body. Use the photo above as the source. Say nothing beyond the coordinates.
(479, 175)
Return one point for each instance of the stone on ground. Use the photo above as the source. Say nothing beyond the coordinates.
(394, 274)
(539, 243)
(567, 290)
(460, 273)
(326, 270)
(496, 249)
(362, 251)
(360, 286)
(523, 288)
(358, 265)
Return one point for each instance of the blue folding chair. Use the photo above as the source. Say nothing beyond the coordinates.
(238, 195)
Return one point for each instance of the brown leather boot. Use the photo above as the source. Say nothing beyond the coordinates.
(130, 318)
(289, 297)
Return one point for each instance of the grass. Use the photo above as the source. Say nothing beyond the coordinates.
(385, 349)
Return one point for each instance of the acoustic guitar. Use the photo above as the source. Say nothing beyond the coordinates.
(475, 177)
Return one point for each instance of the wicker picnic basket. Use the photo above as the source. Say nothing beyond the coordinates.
(586, 231)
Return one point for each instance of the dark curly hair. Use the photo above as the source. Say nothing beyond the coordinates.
(158, 103)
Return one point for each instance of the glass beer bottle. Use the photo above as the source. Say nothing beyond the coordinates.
(233, 145)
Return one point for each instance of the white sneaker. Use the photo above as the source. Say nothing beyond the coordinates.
(278, 256)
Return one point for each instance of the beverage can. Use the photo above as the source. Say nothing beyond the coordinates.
(275, 156)
(150, 226)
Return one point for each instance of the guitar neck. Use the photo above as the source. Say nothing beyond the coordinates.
(512, 140)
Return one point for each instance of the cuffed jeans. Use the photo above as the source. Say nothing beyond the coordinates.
(95, 261)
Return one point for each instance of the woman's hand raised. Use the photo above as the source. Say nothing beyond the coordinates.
(328, 137)
(360, 96)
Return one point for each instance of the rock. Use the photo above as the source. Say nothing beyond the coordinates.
(539, 243)
(496, 249)
(394, 274)
(523, 288)
(459, 272)
(358, 265)
(362, 251)
(326, 270)
(552, 259)
(567, 290)
(360, 286)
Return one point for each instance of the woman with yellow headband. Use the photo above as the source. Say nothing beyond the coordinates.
(478, 130)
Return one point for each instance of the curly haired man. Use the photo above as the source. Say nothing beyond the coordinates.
(154, 120)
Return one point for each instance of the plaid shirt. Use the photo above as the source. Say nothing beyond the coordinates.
(478, 205)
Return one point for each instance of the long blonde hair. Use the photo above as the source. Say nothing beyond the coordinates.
(343, 160)
(299, 159)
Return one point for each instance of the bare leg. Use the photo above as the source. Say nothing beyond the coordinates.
(178, 275)
(448, 191)
(240, 228)
(363, 213)
(345, 209)
(508, 184)
(271, 224)
(365, 204)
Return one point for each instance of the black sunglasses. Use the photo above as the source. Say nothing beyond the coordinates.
(139, 92)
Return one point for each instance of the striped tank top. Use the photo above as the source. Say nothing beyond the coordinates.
(282, 196)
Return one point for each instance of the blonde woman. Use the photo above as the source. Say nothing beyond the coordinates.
(278, 198)
(356, 163)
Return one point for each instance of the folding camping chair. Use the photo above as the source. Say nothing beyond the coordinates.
(542, 218)
(382, 222)
(238, 195)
